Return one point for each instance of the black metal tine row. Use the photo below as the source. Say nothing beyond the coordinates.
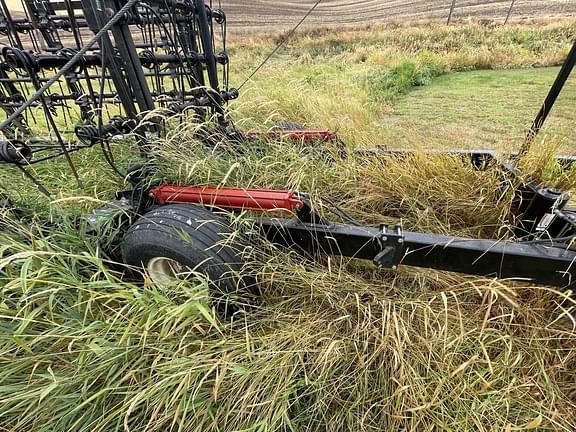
(76, 73)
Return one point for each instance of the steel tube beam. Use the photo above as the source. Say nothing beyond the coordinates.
(539, 263)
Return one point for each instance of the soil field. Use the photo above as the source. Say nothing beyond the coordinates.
(270, 14)
(277, 14)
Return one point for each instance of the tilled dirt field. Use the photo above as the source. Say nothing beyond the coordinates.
(272, 14)
(281, 14)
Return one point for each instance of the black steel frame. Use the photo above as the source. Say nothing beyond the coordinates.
(142, 43)
(540, 263)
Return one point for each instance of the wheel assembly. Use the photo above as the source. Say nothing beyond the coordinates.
(173, 241)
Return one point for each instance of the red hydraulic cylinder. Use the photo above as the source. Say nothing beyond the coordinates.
(229, 198)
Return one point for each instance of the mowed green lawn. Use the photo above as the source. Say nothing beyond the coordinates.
(482, 109)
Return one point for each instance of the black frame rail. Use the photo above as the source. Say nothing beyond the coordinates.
(540, 263)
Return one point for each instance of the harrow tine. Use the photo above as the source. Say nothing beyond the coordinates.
(70, 64)
(34, 180)
(13, 34)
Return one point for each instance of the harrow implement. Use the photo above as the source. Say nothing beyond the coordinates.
(77, 74)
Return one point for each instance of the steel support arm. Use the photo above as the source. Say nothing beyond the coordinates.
(553, 94)
(537, 262)
(540, 263)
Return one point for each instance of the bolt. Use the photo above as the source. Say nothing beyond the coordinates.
(394, 267)
(400, 241)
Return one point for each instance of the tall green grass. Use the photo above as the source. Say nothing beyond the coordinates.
(387, 85)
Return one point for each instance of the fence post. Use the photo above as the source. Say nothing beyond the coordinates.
(451, 11)
(509, 12)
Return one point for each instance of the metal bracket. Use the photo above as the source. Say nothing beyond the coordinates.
(391, 245)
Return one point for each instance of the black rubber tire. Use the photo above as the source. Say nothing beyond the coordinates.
(197, 238)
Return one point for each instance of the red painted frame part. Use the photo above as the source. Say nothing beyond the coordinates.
(229, 198)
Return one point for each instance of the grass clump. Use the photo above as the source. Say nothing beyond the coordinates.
(387, 85)
(541, 165)
(437, 193)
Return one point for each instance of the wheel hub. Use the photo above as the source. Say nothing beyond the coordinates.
(163, 270)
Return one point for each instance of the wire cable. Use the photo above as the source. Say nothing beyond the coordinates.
(339, 211)
(549, 241)
(281, 44)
